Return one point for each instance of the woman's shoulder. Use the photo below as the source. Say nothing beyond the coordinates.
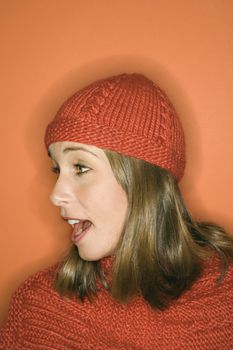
(30, 295)
(44, 277)
(38, 283)
(216, 280)
(217, 270)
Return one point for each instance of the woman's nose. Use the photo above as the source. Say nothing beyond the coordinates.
(60, 195)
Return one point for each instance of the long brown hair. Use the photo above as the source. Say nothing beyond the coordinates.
(161, 249)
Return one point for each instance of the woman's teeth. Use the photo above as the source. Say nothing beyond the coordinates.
(73, 222)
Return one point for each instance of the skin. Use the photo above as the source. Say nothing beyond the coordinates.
(89, 192)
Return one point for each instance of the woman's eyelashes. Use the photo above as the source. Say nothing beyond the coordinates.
(79, 169)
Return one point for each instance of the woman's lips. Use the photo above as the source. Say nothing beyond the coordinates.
(66, 218)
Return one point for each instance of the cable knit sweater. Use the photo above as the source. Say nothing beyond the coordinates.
(201, 319)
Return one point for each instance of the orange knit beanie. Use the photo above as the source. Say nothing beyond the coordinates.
(128, 114)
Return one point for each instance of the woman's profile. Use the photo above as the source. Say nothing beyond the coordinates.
(141, 273)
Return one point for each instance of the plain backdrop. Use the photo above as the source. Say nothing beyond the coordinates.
(50, 48)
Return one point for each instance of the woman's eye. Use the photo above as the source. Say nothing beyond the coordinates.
(55, 169)
(81, 169)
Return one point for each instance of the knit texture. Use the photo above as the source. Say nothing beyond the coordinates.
(128, 114)
(201, 319)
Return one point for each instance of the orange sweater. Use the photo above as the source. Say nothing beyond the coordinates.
(201, 319)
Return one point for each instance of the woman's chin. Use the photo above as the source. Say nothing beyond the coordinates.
(90, 256)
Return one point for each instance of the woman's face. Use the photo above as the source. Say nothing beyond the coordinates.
(89, 198)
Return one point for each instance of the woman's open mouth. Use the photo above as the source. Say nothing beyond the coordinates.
(80, 228)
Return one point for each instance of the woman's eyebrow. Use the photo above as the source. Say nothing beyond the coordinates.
(78, 148)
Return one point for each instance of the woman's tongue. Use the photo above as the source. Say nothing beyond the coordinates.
(81, 226)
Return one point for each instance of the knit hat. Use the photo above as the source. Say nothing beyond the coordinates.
(128, 114)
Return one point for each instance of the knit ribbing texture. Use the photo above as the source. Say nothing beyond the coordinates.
(127, 113)
(201, 319)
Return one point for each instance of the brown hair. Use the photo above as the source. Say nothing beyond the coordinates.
(161, 249)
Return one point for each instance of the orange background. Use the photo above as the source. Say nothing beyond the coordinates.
(49, 48)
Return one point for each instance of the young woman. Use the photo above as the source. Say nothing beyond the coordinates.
(141, 273)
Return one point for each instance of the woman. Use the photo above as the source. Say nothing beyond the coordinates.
(141, 273)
